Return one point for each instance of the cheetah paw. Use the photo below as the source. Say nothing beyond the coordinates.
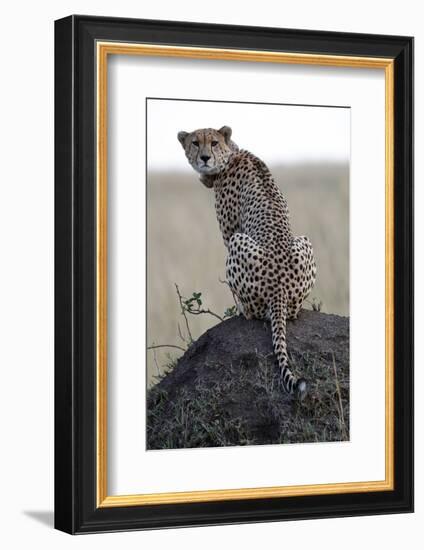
(301, 389)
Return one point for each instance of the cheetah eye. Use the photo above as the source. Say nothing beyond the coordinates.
(196, 143)
(214, 143)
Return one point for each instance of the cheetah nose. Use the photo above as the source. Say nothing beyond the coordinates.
(205, 158)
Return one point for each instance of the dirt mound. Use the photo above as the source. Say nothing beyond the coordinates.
(225, 389)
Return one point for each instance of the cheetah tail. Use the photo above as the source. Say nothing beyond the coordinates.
(290, 383)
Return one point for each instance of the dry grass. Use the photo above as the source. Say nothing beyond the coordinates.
(243, 405)
(185, 247)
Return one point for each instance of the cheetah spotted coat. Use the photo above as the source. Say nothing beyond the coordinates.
(269, 270)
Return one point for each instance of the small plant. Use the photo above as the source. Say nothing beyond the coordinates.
(193, 306)
(196, 298)
(316, 304)
(230, 312)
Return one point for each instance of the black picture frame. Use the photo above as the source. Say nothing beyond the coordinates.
(76, 509)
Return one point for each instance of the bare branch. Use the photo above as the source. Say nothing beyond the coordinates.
(156, 362)
(224, 282)
(166, 346)
(208, 311)
(234, 296)
(181, 334)
(341, 419)
(183, 311)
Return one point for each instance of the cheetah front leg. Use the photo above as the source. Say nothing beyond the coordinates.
(278, 313)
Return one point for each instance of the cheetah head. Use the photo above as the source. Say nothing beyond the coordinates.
(208, 150)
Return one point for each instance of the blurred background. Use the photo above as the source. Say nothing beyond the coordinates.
(307, 149)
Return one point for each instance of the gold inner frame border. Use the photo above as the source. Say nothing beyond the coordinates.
(103, 50)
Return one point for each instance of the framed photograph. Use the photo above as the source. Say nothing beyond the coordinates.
(234, 274)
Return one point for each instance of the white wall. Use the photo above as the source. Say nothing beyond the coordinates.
(26, 289)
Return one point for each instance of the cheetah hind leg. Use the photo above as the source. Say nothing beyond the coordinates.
(278, 312)
(245, 257)
(303, 264)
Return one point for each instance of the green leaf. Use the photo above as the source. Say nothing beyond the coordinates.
(230, 312)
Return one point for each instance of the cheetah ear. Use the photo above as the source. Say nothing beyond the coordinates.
(226, 132)
(181, 137)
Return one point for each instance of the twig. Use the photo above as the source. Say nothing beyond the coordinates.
(224, 282)
(181, 334)
(155, 360)
(228, 284)
(199, 311)
(342, 422)
(184, 313)
(166, 346)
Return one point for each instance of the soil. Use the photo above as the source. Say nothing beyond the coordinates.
(225, 390)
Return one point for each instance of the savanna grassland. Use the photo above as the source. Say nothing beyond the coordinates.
(184, 247)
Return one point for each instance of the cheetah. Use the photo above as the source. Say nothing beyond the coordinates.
(269, 270)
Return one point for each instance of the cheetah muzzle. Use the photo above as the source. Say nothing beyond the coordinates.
(269, 270)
